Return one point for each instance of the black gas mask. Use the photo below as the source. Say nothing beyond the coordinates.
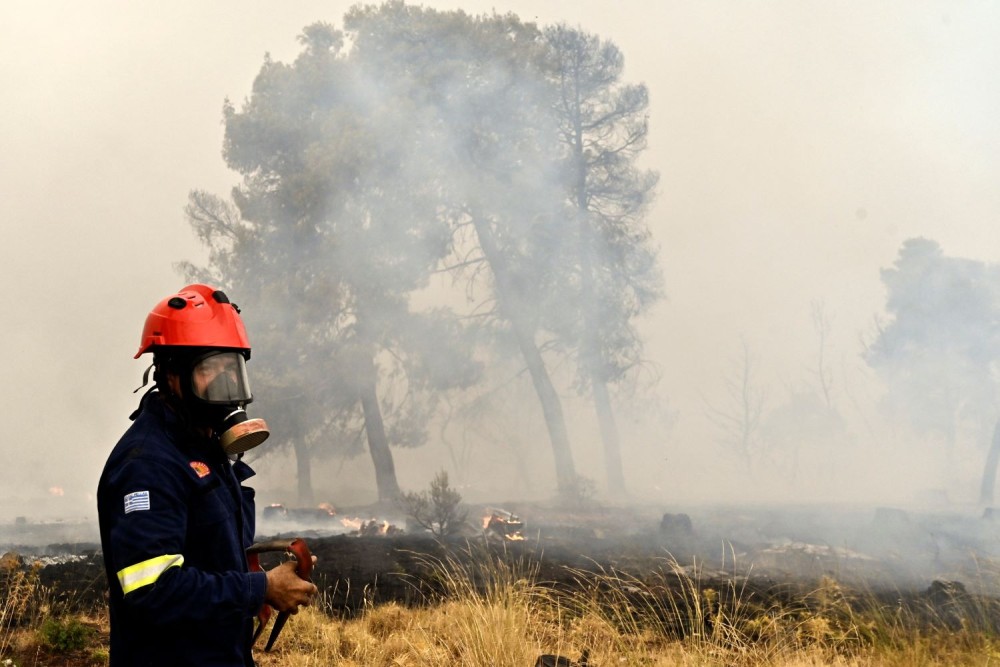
(216, 391)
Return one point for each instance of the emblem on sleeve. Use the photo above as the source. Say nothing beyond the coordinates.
(139, 500)
(200, 468)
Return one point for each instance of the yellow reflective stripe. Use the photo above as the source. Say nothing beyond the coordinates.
(147, 572)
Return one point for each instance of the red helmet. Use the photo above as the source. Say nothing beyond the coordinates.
(197, 316)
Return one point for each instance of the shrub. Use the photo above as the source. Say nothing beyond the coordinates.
(65, 635)
(437, 510)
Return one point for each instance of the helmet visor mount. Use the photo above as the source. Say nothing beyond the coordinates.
(220, 378)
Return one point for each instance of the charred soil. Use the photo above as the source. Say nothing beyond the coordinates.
(759, 558)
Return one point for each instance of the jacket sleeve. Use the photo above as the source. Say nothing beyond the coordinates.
(147, 545)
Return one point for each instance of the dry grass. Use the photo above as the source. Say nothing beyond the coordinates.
(23, 603)
(498, 612)
(36, 629)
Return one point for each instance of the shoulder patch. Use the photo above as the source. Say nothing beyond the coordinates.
(138, 500)
(200, 468)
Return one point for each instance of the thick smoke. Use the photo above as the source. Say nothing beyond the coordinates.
(781, 370)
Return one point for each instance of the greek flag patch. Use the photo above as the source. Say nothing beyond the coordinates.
(136, 501)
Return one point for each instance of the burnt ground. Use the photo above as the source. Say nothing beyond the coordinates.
(938, 564)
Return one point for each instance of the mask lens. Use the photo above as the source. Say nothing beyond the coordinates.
(221, 377)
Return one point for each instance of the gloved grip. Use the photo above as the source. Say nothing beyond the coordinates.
(303, 567)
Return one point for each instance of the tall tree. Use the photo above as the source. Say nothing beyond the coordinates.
(441, 134)
(938, 352)
(603, 125)
(494, 145)
(346, 228)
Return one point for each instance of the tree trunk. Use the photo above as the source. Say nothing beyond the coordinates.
(555, 421)
(303, 473)
(590, 353)
(378, 443)
(990, 469)
(590, 344)
(609, 436)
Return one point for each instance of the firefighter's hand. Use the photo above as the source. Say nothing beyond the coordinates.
(285, 591)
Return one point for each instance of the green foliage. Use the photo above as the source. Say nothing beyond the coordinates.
(414, 143)
(615, 277)
(65, 635)
(438, 510)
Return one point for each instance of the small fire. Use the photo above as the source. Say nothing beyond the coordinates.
(369, 528)
(351, 524)
(375, 528)
(56, 491)
(504, 524)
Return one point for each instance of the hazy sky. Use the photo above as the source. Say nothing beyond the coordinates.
(799, 142)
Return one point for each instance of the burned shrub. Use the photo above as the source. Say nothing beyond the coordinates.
(438, 510)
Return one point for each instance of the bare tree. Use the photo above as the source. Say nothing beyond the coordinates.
(738, 417)
(824, 377)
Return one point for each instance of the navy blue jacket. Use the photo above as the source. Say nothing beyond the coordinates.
(175, 522)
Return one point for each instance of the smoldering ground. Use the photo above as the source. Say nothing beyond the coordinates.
(881, 549)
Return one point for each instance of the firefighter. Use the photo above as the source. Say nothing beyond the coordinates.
(175, 518)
